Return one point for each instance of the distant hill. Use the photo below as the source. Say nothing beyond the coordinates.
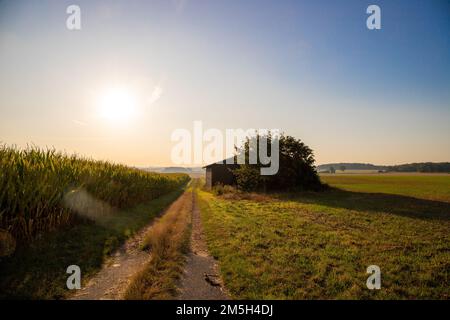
(174, 169)
(421, 167)
(349, 166)
(409, 167)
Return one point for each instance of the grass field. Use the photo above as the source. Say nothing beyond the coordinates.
(423, 186)
(318, 245)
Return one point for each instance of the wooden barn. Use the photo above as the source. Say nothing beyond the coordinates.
(220, 173)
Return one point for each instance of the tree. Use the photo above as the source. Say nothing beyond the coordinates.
(296, 166)
(248, 178)
(342, 168)
(332, 170)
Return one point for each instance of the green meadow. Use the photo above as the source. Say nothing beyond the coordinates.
(319, 245)
(423, 186)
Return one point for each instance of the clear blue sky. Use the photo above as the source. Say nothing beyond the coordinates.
(310, 68)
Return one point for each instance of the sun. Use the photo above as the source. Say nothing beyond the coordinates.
(117, 105)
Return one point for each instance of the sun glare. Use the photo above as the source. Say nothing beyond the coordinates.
(117, 105)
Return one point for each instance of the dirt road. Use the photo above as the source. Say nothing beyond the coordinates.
(201, 277)
(111, 282)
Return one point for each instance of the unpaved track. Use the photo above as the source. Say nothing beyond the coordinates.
(111, 282)
(201, 280)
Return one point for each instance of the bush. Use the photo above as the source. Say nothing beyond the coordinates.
(296, 167)
(220, 189)
(248, 178)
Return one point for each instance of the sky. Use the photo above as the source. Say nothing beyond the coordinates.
(309, 68)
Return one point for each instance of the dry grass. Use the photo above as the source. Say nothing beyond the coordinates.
(231, 193)
(246, 196)
(168, 241)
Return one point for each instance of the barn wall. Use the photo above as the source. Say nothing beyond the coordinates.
(219, 173)
(209, 177)
(222, 175)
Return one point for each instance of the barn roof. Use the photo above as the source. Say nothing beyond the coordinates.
(224, 161)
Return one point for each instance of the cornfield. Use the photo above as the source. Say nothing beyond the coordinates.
(34, 184)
